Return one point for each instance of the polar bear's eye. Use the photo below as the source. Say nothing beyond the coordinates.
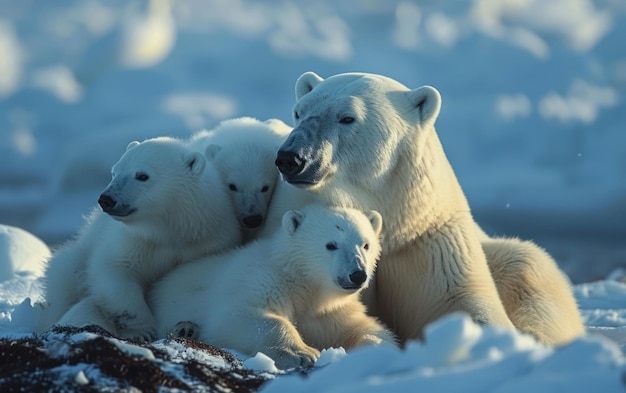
(331, 246)
(366, 246)
(232, 187)
(296, 115)
(265, 189)
(141, 176)
(346, 120)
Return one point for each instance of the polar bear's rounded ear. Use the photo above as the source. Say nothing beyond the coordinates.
(306, 82)
(196, 162)
(292, 220)
(376, 219)
(427, 101)
(211, 151)
(131, 145)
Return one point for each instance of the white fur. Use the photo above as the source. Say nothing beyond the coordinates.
(285, 197)
(170, 208)
(536, 294)
(366, 141)
(244, 150)
(284, 295)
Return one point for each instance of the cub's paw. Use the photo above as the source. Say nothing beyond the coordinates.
(304, 357)
(130, 326)
(185, 329)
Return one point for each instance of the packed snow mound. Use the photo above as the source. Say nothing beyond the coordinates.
(21, 252)
(457, 352)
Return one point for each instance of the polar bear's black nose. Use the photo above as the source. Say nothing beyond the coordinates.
(252, 221)
(106, 203)
(288, 162)
(358, 277)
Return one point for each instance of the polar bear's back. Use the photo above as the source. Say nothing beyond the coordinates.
(207, 290)
(240, 131)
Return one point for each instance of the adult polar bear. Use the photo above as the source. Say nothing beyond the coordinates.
(366, 141)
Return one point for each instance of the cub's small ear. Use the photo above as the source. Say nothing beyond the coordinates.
(306, 82)
(292, 220)
(427, 101)
(376, 219)
(211, 151)
(196, 162)
(131, 145)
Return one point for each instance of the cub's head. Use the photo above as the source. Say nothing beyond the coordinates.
(250, 177)
(151, 178)
(351, 128)
(336, 248)
(244, 150)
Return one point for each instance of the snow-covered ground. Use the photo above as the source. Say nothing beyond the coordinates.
(456, 353)
(533, 121)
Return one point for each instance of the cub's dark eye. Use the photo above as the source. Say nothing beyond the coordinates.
(141, 176)
(346, 120)
(296, 115)
(265, 189)
(232, 187)
(366, 246)
(331, 246)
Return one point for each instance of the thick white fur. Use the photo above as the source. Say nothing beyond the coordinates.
(285, 197)
(282, 295)
(180, 213)
(373, 145)
(244, 150)
(536, 294)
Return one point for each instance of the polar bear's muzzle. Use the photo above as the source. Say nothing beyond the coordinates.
(111, 207)
(299, 169)
(354, 278)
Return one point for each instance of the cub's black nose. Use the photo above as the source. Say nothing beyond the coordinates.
(358, 277)
(289, 163)
(254, 221)
(106, 203)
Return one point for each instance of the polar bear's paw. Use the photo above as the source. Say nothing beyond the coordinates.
(287, 358)
(185, 329)
(130, 326)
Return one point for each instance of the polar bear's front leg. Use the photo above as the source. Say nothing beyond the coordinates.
(87, 312)
(362, 329)
(457, 263)
(442, 271)
(280, 340)
(347, 326)
(122, 298)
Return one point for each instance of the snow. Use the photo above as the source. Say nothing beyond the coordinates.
(261, 362)
(532, 121)
(459, 354)
(22, 252)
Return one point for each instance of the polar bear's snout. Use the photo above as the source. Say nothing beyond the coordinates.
(303, 167)
(112, 207)
(289, 163)
(252, 221)
(106, 202)
(355, 276)
(358, 277)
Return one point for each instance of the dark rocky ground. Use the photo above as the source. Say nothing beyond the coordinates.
(66, 359)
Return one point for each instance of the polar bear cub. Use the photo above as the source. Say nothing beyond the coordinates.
(287, 296)
(244, 150)
(164, 206)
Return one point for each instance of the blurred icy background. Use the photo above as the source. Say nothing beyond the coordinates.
(533, 118)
